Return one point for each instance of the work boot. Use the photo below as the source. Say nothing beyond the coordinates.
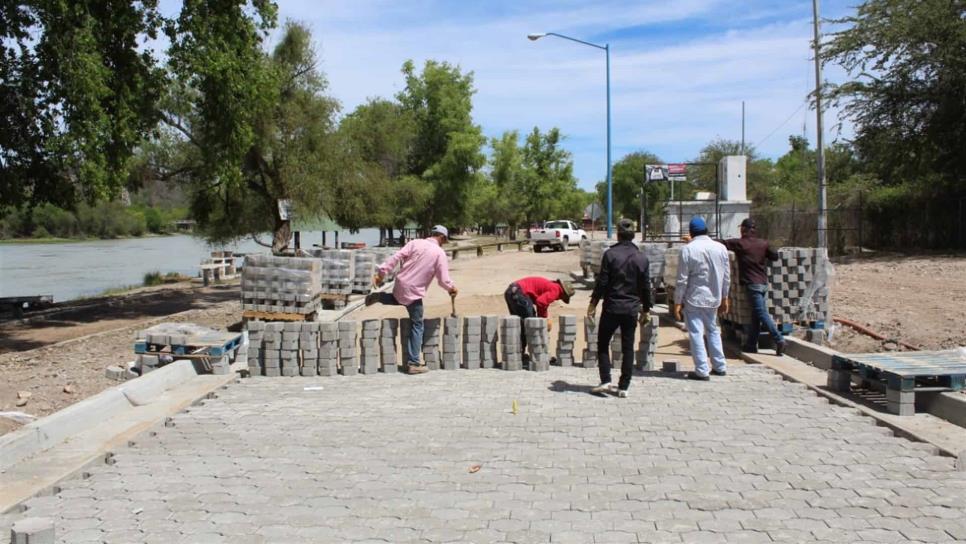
(780, 348)
(719, 372)
(416, 369)
(699, 377)
(372, 298)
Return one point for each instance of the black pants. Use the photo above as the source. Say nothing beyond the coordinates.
(520, 305)
(609, 323)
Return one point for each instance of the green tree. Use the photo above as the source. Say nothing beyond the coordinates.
(255, 128)
(446, 152)
(507, 175)
(79, 94)
(908, 89)
(548, 181)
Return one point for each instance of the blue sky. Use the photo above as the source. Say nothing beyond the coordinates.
(679, 68)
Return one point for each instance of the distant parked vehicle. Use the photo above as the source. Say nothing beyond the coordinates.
(557, 235)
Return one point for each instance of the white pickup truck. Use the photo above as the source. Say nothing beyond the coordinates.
(558, 235)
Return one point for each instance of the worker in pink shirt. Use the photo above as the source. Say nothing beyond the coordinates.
(421, 260)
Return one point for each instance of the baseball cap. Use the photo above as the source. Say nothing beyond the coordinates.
(697, 224)
(748, 223)
(440, 229)
(625, 226)
(568, 290)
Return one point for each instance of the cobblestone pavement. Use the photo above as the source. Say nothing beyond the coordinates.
(745, 458)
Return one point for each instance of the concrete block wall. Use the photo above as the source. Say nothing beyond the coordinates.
(472, 342)
(592, 251)
(281, 284)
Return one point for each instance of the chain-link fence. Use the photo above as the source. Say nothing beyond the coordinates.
(929, 225)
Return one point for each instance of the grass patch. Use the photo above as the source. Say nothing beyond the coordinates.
(153, 278)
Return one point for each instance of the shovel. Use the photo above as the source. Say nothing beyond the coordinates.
(452, 302)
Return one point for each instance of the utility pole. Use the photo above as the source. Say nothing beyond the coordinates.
(742, 127)
(822, 203)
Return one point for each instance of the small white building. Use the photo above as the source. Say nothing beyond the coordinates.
(732, 208)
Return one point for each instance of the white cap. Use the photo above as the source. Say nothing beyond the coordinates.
(440, 229)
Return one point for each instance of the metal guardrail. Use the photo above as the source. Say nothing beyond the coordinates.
(478, 248)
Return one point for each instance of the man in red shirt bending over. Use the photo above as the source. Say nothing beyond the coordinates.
(531, 296)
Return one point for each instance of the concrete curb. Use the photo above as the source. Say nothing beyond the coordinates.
(37, 456)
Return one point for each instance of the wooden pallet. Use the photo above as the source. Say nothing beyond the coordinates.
(902, 373)
(276, 316)
(210, 345)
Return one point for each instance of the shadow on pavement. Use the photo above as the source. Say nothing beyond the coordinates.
(561, 386)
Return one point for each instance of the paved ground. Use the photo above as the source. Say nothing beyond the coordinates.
(746, 458)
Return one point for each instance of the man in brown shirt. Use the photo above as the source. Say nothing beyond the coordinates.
(752, 254)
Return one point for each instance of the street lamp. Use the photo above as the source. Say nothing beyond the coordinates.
(610, 189)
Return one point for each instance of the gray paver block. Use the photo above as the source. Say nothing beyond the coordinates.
(32, 530)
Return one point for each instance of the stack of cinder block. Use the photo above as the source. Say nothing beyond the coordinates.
(387, 345)
(432, 342)
(511, 342)
(291, 333)
(271, 349)
(799, 289)
(655, 251)
(281, 284)
(451, 343)
(489, 348)
(537, 343)
(647, 343)
(309, 346)
(566, 339)
(348, 354)
(364, 265)
(472, 342)
(328, 349)
(371, 351)
(589, 359)
(256, 335)
(740, 308)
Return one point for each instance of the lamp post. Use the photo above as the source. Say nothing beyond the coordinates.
(610, 187)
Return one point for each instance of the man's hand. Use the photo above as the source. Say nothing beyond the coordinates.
(549, 325)
(686, 238)
(592, 309)
(453, 292)
(725, 306)
(677, 312)
(377, 279)
(643, 318)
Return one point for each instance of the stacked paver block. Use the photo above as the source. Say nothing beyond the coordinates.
(537, 343)
(364, 265)
(511, 343)
(328, 349)
(281, 284)
(589, 358)
(291, 333)
(489, 347)
(472, 342)
(798, 289)
(256, 331)
(370, 353)
(337, 271)
(309, 344)
(451, 343)
(348, 350)
(387, 345)
(654, 251)
(271, 349)
(566, 339)
(740, 310)
(647, 344)
(432, 342)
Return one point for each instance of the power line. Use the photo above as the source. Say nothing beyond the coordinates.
(783, 123)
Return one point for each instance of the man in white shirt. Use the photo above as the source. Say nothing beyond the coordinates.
(704, 277)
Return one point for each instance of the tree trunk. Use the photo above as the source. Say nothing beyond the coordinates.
(280, 238)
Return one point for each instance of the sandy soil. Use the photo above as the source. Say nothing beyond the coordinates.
(920, 300)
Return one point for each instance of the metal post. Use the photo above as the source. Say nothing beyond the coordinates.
(822, 204)
(742, 127)
(640, 223)
(610, 186)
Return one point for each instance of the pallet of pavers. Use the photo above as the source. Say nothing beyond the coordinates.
(901, 374)
(166, 342)
(281, 287)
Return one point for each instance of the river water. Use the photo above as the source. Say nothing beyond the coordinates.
(77, 269)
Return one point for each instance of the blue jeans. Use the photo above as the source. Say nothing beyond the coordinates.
(759, 316)
(702, 321)
(412, 346)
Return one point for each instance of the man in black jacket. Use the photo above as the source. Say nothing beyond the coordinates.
(625, 288)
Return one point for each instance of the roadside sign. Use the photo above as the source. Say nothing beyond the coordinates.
(285, 211)
(655, 172)
(677, 172)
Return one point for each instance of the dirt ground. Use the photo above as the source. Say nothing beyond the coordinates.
(920, 300)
